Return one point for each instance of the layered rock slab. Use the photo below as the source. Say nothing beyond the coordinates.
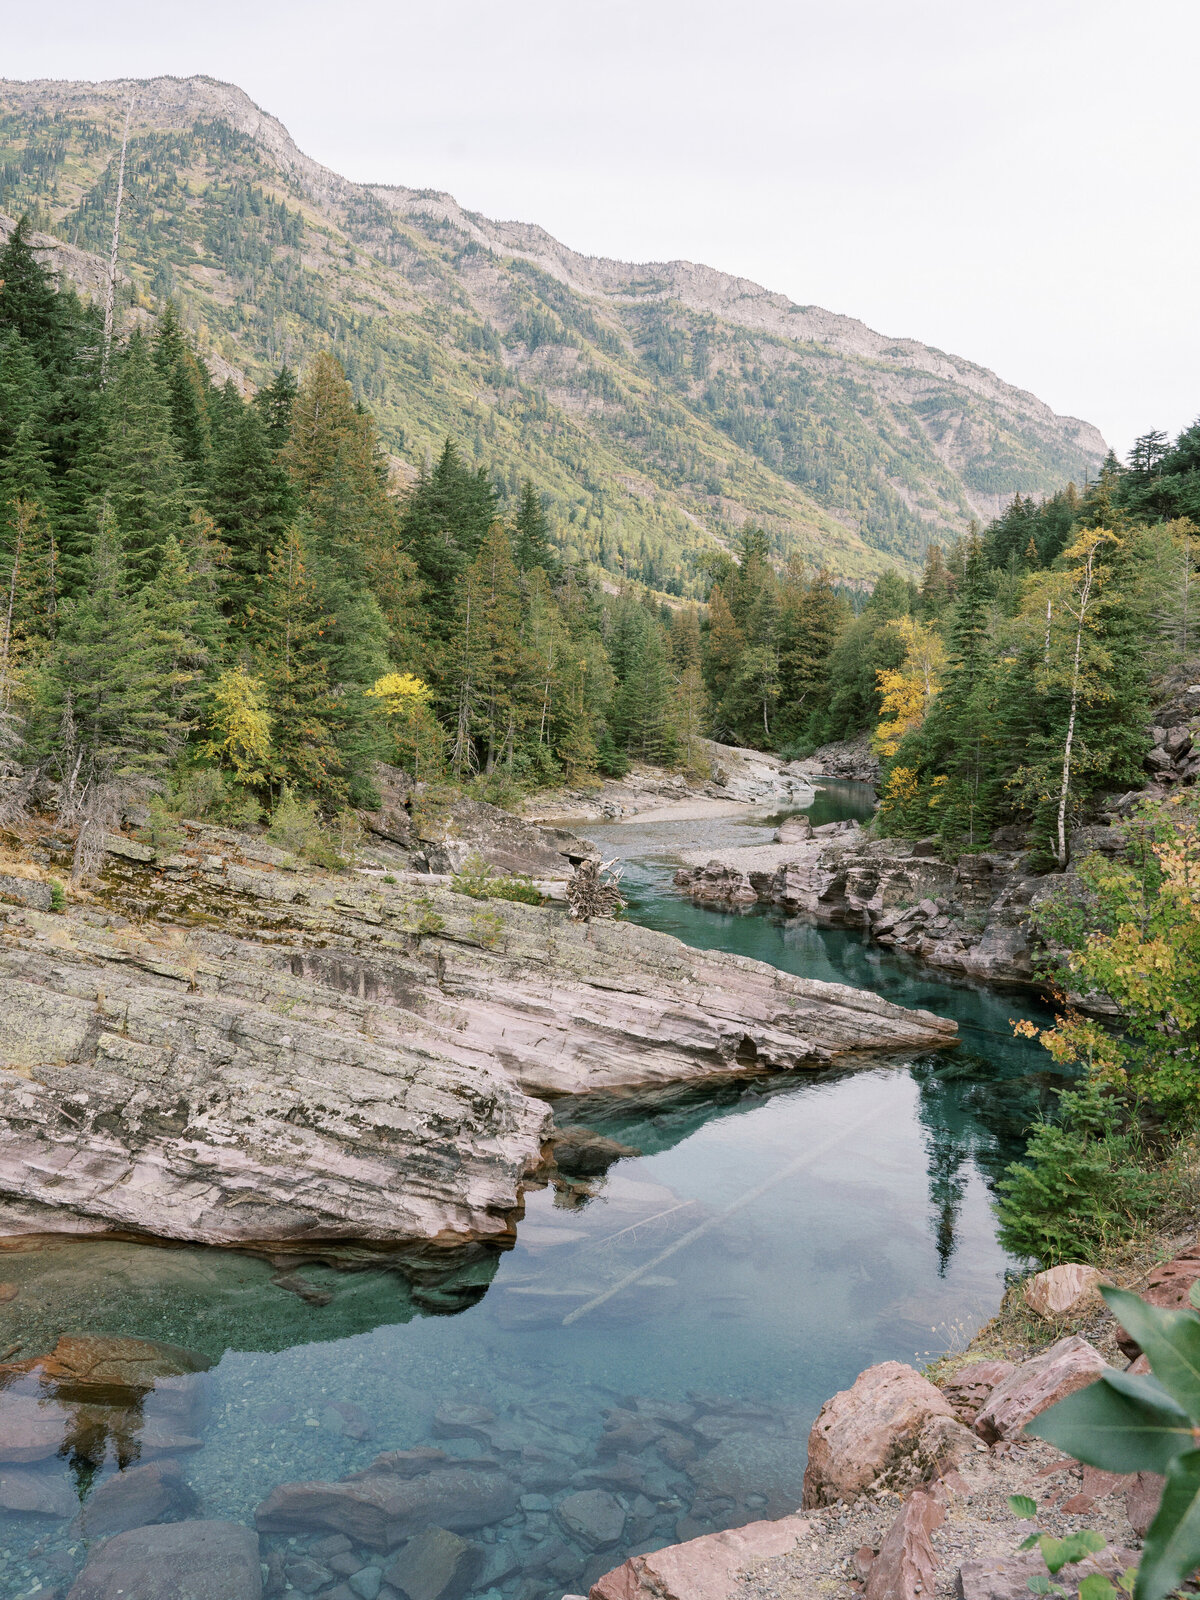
(269, 1055)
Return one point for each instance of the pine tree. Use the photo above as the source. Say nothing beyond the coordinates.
(187, 386)
(274, 404)
(290, 655)
(812, 615)
(135, 469)
(487, 660)
(252, 502)
(29, 303)
(106, 706)
(445, 520)
(531, 533)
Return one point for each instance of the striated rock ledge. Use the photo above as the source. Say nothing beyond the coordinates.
(228, 1050)
(972, 917)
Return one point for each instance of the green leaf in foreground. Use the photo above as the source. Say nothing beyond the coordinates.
(1119, 1423)
(1021, 1505)
(1172, 1551)
(1171, 1339)
(1096, 1587)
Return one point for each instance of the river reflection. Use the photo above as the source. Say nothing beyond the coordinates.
(771, 1237)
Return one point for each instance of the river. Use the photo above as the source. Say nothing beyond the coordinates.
(771, 1238)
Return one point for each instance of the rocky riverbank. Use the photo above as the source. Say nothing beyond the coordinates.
(732, 777)
(228, 1046)
(972, 917)
(907, 1482)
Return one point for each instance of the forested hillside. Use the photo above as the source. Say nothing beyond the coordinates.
(1006, 687)
(657, 410)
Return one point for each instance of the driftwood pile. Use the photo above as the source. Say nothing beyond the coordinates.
(593, 890)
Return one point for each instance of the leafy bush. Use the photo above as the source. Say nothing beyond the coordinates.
(481, 882)
(1060, 1553)
(208, 793)
(161, 828)
(487, 928)
(295, 826)
(1132, 1423)
(1082, 1186)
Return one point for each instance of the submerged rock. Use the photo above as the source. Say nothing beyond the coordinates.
(350, 1060)
(398, 1495)
(154, 1492)
(35, 1494)
(175, 1561)
(436, 1565)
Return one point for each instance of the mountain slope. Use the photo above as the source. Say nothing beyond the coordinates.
(659, 407)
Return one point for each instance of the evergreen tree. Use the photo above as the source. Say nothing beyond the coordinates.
(252, 502)
(135, 469)
(531, 533)
(187, 388)
(446, 519)
(488, 664)
(291, 626)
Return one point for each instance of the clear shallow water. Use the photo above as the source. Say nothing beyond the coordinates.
(867, 1235)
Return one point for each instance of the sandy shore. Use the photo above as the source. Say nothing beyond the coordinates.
(746, 858)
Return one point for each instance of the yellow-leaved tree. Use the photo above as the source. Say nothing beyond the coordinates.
(241, 727)
(407, 703)
(908, 690)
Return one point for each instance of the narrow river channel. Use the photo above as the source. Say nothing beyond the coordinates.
(770, 1239)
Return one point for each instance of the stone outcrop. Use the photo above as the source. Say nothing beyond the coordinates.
(1060, 1289)
(892, 1427)
(231, 1050)
(700, 1569)
(972, 917)
(1168, 1285)
(1036, 1385)
(906, 1563)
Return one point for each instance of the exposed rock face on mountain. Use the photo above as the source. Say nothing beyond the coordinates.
(230, 1050)
(678, 401)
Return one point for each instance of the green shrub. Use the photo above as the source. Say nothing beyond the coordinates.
(161, 828)
(58, 896)
(295, 826)
(207, 793)
(389, 877)
(487, 928)
(1083, 1185)
(481, 882)
(611, 762)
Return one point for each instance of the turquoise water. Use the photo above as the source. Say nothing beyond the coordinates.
(772, 1238)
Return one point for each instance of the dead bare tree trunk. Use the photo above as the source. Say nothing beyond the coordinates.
(1085, 592)
(110, 295)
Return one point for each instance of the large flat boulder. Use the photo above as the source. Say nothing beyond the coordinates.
(175, 1561)
(701, 1569)
(1036, 1385)
(510, 845)
(400, 1494)
(892, 1424)
(313, 1057)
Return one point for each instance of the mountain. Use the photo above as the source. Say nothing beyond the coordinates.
(658, 407)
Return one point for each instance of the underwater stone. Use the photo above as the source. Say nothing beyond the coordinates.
(174, 1561)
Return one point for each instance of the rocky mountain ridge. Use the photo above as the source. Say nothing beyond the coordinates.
(658, 406)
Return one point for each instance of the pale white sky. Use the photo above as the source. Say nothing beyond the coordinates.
(1013, 180)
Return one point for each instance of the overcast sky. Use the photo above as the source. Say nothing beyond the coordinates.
(1012, 180)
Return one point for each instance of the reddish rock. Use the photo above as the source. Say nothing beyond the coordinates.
(906, 1562)
(30, 1429)
(154, 1492)
(1036, 1385)
(436, 1565)
(389, 1501)
(97, 1366)
(1168, 1285)
(1060, 1289)
(1142, 1500)
(702, 1569)
(892, 1423)
(36, 1494)
(175, 1561)
(968, 1388)
(1007, 1577)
